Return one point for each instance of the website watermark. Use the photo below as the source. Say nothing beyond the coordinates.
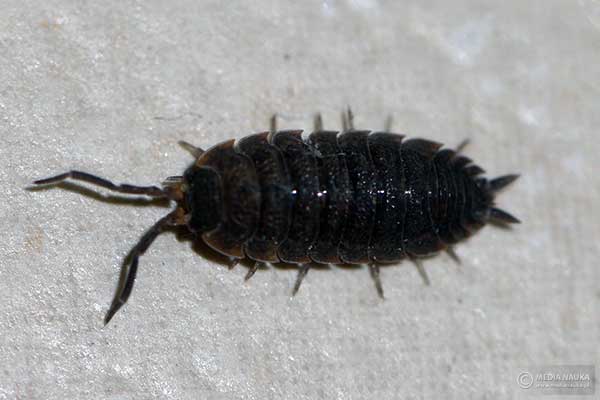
(558, 379)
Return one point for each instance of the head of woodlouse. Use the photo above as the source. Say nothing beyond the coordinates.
(198, 195)
(202, 200)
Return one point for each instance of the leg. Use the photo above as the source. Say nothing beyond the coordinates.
(193, 150)
(301, 274)
(421, 270)
(461, 146)
(252, 270)
(129, 269)
(389, 122)
(233, 262)
(318, 123)
(151, 191)
(374, 270)
(273, 124)
(347, 120)
(452, 254)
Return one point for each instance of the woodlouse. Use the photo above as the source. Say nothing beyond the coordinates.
(352, 197)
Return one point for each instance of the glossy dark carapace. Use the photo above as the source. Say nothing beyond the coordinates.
(353, 197)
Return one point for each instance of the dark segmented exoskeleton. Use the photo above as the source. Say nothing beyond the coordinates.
(353, 197)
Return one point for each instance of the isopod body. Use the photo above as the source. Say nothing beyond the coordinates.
(352, 197)
(355, 197)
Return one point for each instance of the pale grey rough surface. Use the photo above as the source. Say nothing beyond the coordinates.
(82, 85)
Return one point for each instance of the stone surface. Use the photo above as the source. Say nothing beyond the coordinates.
(110, 87)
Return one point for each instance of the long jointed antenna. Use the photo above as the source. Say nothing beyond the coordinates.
(151, 191)
(129, 269)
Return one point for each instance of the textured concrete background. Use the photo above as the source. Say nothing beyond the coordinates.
(109, 87)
